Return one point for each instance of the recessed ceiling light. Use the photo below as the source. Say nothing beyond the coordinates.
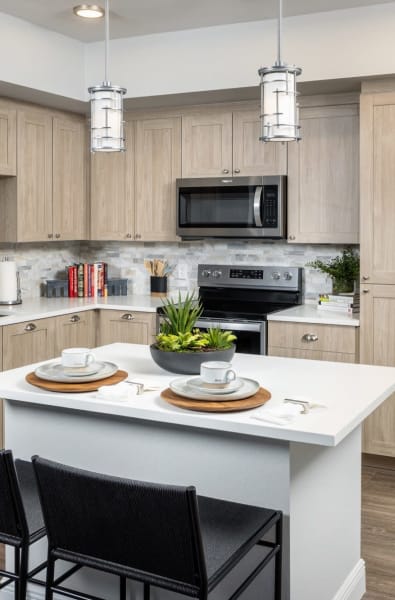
(88, 11)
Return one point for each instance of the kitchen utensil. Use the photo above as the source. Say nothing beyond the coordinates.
(54, 371)
(260, 397)
(75, 387)
(180, 387)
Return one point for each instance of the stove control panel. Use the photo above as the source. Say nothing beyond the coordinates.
(281, 278)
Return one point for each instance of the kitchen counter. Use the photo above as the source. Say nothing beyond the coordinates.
(310, 469)
(308, 313)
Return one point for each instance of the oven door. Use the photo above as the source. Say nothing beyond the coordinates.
(251, 335)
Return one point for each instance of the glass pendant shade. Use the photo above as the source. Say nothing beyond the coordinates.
(107, 125)
(279, 109)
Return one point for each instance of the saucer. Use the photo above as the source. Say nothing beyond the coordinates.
(54, 371)
(197, 383)
(90, 369)
(181, 387)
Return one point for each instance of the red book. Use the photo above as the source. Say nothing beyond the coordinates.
(70, 278)
(85, 280)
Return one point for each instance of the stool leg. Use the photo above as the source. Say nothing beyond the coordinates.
(50, 577)
(147, 593)
(23, 572)
(278, 560)
(122, 588)
(17, 569)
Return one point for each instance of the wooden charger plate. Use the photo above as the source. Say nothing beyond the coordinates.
(88, 386)
(254, 401)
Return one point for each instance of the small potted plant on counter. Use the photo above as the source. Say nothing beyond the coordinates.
(180, 346)
(343, 270)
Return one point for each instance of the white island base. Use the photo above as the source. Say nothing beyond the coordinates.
(311, 469)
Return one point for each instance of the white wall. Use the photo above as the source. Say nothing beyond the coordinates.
(41, 59)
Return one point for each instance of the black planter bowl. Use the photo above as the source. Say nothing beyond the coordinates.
(188, 363)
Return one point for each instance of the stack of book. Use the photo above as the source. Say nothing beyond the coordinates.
(342, 303)
(87, 280)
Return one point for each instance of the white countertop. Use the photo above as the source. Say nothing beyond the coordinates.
(350, 393)
(308, 313)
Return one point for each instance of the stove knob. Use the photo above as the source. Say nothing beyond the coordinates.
(276, 275)
(206, 273)
(287, 275)
(217, 274)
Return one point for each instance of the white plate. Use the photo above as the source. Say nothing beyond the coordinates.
(81, 371)
(180, 386)
(198, 384)
(55, 372)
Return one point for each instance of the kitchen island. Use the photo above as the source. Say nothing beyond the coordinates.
(310, 469)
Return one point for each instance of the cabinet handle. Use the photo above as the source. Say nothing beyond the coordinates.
(128, 317)
(50, 236)
(128, 235)
(75, 319)
(237, 170)
(30, 327)
(365, 277)
(291, 237)
(137, 236)
(310, 337)
(226, 171)
(365, 291)
(57, 235)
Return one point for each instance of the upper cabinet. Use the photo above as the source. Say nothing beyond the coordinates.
(133, 193)
(377, 188)
(224, 142)
(323, 175)
(112, 192)
(47, 199)
(7, 140)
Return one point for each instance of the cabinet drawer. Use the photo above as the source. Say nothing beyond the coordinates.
(311, 354)
(75, 330)
(131, 327)
(309, 336)
(28, 342)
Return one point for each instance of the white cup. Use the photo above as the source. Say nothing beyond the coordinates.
(217, 372)
(73, 358)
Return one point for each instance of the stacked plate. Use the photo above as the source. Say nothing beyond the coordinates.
(195, 388)
(55, 371)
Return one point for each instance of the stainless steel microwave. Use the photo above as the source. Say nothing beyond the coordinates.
(232, 207)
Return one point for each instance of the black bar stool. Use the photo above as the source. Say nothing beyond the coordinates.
(160, 535)
(21, 520)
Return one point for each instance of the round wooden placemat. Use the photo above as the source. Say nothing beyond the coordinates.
(254, 401)
(87, 386)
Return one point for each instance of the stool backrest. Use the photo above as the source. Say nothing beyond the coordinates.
(149, 528)
(12, 515)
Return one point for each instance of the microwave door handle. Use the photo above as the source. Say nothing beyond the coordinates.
(257, 206)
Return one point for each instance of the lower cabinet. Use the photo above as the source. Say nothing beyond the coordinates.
(337, 343)
(127, 327)
(76, 330)
(378, 348)
(1, 401)
(28, 342)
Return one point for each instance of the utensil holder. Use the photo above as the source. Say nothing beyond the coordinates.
(158, 286)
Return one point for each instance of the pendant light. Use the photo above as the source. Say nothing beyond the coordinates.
(107, 131)
(279, 110)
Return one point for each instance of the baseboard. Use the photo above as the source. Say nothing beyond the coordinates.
(354, 586)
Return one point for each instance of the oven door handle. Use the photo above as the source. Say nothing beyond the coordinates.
(230, 326)
(257, 206)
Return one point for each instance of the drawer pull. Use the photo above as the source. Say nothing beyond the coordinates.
(75, 319)
(310, 337)
(30, 327)
(127, 317)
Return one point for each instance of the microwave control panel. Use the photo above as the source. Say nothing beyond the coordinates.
(270, 206)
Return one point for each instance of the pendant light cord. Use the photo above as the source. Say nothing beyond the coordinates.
(279, 30)
(106, 40)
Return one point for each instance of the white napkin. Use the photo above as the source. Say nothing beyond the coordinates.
(282, 414)
(120, 392)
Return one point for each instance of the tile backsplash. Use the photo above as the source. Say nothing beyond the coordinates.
(38, 262)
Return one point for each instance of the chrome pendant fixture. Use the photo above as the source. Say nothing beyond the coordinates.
(279, 109)
(107, 126)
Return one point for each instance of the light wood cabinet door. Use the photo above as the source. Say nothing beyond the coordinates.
(323, 177)
(250, 156)
(158, 164)
(207, 144)
(112, 192)
(34, 176)
(127, 327)
(338, 343)
(378, 348)
(377, 188)
(28, 342)
(69, 179)
(76, 330)
(7, 141)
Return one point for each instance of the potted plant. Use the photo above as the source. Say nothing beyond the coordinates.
(180, 346)
(343, 270)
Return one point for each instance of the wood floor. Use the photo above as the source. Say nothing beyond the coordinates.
(378, 528)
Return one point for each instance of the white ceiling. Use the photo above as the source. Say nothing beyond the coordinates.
(141, 17)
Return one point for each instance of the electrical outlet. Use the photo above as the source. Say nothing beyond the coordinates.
(182, 271)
